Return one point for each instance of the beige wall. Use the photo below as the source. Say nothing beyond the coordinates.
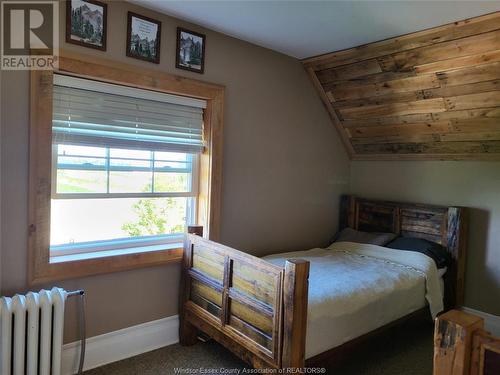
(284, 169)
(471, 184)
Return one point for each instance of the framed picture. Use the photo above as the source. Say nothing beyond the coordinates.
(86, 23)
(190, 54)
(143, 38)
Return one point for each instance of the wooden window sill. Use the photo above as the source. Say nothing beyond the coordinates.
(87, 264)
(112, 252)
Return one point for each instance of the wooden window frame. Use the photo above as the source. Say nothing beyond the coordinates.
(40, 269)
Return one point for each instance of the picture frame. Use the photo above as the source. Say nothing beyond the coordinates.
(190, 51)
(86, 23)
(143, 38)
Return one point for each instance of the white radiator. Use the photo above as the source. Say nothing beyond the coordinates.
(31, 333)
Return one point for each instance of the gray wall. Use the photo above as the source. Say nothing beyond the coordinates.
(1, 122)
(471, 184)
(284, 169)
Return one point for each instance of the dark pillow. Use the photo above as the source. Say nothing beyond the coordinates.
(433, 250)
(373, 238)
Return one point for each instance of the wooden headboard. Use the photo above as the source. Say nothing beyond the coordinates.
(445, 225)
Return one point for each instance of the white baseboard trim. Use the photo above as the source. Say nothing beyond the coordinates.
(491, 322)
(121, 344)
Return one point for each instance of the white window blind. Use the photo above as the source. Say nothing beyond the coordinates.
(97, 113)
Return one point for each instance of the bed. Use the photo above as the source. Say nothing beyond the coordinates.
(299, 309)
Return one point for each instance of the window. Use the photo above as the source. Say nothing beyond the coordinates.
(105, 133)
(124, 168)
(105, 198)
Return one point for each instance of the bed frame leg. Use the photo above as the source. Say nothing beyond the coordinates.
(295, 292)
(187, 332)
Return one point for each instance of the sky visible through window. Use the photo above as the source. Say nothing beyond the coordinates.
(87, 205)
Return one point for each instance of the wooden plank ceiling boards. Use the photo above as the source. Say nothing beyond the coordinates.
(433, 95)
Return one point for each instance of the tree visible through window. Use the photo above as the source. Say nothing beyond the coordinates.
(152, 218)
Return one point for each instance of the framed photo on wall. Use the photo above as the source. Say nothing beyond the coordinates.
(190, 52)
(86, 23)
(143, 38)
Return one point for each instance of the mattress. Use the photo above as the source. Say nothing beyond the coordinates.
(357, 288)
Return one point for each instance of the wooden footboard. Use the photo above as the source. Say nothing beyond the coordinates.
(254, 308)
(463, 347)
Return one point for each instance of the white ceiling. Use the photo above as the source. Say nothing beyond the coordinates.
(307, 28)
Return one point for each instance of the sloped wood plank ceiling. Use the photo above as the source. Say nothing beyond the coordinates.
(433, 94)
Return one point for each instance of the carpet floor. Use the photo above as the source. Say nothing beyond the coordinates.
(403, 350)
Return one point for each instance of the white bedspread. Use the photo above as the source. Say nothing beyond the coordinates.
(356, 288)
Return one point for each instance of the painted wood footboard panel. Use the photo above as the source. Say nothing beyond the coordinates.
(254, 308)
